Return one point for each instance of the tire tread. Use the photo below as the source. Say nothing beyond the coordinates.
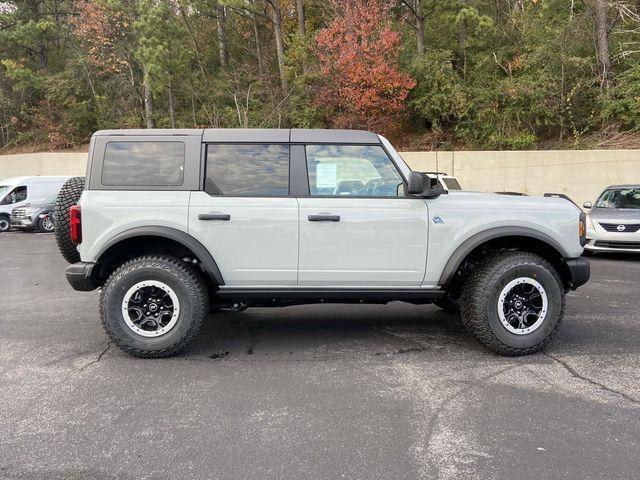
(193, 282)
(69, 195)
(477, 288)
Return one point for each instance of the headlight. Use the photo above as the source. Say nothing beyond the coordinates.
(30, 211)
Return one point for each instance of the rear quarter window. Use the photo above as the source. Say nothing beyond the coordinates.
(143, 164)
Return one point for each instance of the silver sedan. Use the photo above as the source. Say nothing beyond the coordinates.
(613, 224)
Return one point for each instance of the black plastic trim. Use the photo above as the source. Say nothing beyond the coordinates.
(80, 276)
(324, 218)
(214, 216)
(208, 262)
(580, 270)
(475, 241)
(298, 178)
(323, 295)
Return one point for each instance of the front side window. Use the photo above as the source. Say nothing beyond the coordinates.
(352, 170)
(18, 194)
(143, 164)
(247, 170)
(620, 198)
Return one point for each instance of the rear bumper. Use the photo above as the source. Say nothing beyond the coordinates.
(580, 271)
(80, 276)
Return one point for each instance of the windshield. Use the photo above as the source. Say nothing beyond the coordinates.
(3, 190)
(620, 198)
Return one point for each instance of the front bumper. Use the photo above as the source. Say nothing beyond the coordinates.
(22, 223)
(615, 245)
(579, 270)
(80, 276)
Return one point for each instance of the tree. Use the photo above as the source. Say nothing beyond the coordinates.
(602, 42)
(361, 85)
(417, 11)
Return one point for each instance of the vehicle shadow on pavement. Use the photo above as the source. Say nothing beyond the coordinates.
(324, 332)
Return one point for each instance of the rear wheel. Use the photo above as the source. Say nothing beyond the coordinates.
(513, 302)
(153, 306)
(5, 223)
(69, 195)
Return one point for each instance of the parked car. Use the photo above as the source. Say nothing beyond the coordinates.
(613, 223)
(19, 191)
(447, 182)
(35, 216)
(173, 224)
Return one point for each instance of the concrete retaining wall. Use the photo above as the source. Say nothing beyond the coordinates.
(581, 174)
(43, 163)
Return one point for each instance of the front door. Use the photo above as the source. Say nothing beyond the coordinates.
(357, 227)
(245, 217)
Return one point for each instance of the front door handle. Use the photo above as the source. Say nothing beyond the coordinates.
(214, 216)
(324, 218)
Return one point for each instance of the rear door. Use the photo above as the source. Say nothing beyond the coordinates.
(245, 216)
(357, 227)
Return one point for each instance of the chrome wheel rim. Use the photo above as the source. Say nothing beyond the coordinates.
(150, 308)
(47, 224)
(4, 225)
(522, 305)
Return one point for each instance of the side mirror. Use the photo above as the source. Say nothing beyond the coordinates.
(416, 183)
(420, 185)
(587, 205)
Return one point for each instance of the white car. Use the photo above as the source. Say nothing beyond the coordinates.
(173, 224)
(21, 191)
(613, 223)
(447, 182)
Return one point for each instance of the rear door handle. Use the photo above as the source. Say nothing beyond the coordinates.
(214, 216)
(324, 218)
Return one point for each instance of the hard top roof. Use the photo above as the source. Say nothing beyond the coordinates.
(256, 135)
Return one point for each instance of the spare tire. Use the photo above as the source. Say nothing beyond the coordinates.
(69, 195)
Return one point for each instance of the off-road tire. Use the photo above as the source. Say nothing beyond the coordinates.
(182, 278)
(5, 223)
(69, 195)
(479, 301)
(448, 304)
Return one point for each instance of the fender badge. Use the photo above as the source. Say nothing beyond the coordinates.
(437, 218)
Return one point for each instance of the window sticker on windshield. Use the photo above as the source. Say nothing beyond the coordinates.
(326, 175)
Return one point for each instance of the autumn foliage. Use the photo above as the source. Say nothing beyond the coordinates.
(358, 52)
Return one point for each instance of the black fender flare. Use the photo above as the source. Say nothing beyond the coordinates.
(473, 242)
(208, 262)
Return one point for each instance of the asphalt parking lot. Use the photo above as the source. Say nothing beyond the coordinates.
(319, 392)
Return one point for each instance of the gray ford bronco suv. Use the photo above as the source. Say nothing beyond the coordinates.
(174, 224)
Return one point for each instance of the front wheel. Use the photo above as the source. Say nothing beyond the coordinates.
(513, 302)
(5, 224)
(45, 224)
(153, 306)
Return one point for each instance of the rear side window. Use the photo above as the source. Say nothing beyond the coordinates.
(247, 170)
(143, 164)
